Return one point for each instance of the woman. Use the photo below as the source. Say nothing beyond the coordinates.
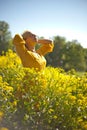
(25, 47)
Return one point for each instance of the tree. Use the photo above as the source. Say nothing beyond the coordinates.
(74, 56)
(55, 58)
(85, 53)
(5, 37)
(67, 55)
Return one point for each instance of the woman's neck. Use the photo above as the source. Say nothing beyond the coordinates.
(30, 48)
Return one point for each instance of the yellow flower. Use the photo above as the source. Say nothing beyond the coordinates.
(3, 128)
(55, 117)
(50, 111)
(80, 102)
(1, 115)
(72, 98)
(85, 127)
(15, 103)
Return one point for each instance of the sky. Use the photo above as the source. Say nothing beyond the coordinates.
(47, 18)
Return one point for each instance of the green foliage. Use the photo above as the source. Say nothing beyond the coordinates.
(67, 55)
(54, 58)
(46, 100)
(85, 53)
(74, 57)
(5, 37)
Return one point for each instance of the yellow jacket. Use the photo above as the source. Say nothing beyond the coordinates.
(31, 59)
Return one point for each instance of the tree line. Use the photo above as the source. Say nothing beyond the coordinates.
(66, 54)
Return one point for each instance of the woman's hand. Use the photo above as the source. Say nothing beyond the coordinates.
(18, 39)
(43, 41)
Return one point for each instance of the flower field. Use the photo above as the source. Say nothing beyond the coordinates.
(48, 100)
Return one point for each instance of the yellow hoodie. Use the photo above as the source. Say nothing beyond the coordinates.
(32, 59)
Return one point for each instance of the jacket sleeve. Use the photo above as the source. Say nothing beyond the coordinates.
(20, 45)
(45, 47)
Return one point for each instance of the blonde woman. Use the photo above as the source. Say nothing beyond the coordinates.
(25, 47)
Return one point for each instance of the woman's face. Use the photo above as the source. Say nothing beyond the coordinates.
(31, 40)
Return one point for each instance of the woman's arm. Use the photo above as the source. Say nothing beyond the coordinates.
(46, 46)
(19, 44)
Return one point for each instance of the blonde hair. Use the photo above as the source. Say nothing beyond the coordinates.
(27, 34)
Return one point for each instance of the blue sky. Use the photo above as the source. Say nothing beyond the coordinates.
(48, 18)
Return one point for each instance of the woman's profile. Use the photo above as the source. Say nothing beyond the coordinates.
(25, 48)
